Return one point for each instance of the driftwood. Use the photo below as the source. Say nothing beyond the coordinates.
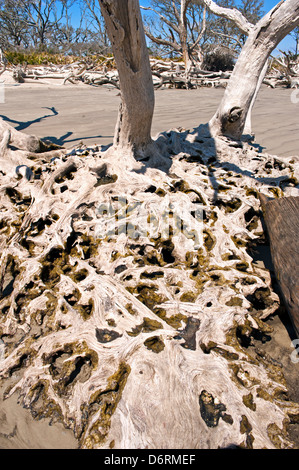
(230, 118)
(132, 335)
(166, 73)
(25, 142)
(124, 27)
(288, 74)
(282, 221)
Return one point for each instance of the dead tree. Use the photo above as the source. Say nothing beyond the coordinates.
(230, 118)
(289, 65)
(126, 33)
(2, 62)
(120, 327)
(231, 14)
(175, 16)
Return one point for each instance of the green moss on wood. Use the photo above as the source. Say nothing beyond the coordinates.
(155, 344)
(147, 294)
(234, 302)
(212, 346)
(249, 402)
(104, 403)
(209, 410)
(146, 326)
(245, 426)
(188, 297)
(175, 321)
(239, 242)
(209, 239)
(152, 275)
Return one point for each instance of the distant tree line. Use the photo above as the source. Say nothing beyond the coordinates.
(50, 26)
(186, 29)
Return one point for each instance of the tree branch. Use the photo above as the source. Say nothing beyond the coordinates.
(163, 42)
(175, 10)
(231, 14)
(228, 37)
(203, 28)
(169, 23)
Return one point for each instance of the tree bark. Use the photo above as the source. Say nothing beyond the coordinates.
(248, 123)
(184, 35)
(126, 33)
(230, 118)
(282, 220)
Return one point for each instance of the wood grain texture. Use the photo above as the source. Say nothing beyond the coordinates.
(282, 221)
(230, 118)
(139, 339)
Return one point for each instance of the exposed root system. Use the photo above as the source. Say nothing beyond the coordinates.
(129, 295)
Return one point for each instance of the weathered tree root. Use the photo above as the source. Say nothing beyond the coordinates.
(136, 339)
(19, 140)
(19, 152)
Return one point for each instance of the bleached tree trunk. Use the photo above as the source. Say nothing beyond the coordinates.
(126, 33)
(184, 35)
(2, 62)
(230, 118)
(180, 27)
(248, 122)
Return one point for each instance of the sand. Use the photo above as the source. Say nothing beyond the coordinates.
(71, 114)
(18, 430)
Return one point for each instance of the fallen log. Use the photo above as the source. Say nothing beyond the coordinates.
(165, 74)
(282, 222)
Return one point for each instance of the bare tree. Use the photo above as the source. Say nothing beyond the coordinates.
(43, 24)
(263, 38)
(93, 12)
(75, 39)
(185, 27)
(223, 31)
(13, 24)
(295, 35)
(126, 33)
(67, 34)
(253, 10)
(182, 28)
(42, 17)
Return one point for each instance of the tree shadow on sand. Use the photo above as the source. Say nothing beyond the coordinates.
(65, 138)
(202, 149)
(22, 125)
(60, 141)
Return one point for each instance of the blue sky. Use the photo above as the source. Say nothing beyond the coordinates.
(268, 4)
(287, 44)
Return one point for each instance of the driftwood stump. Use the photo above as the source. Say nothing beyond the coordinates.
(141, 338)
